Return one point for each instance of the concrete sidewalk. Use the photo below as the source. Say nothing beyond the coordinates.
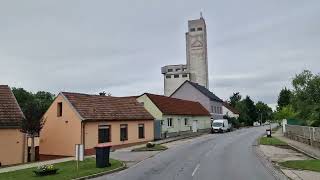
(305, 148)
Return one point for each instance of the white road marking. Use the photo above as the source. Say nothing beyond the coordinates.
(195, 169)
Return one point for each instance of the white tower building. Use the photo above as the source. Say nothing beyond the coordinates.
(197, 58)
(196, 69)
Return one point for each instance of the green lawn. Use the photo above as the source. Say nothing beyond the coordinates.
(312, 165)
(67, 170)
(271, 141)
(157, 147)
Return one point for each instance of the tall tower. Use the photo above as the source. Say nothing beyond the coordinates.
(196, 69)
(197, 57)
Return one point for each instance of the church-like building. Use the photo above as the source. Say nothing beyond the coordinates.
(196, 69)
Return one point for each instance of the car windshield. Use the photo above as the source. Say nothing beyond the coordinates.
(217, 124)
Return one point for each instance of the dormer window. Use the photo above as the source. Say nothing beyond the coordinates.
(192, 29)
(199, 29)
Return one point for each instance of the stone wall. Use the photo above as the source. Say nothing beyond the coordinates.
(304, 134)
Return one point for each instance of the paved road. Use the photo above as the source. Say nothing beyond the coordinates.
(227, 156)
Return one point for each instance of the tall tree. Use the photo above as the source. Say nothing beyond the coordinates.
(234, 99)
(33, 107)
(284, 98)
(264, 111)
(252, 111)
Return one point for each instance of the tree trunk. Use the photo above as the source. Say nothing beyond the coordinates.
(32, 151)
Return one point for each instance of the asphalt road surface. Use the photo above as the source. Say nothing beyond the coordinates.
(228, 156)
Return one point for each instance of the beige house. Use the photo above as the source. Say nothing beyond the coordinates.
(75, 118)
(176, 115)
(12, 141)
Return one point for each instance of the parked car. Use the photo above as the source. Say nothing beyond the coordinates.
(256, 124)
(220, 126)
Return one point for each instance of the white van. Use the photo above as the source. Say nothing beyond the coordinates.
(220, 125)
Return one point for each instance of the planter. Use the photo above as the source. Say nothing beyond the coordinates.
(46, 173)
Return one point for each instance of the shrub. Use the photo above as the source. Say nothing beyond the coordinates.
(150, 145)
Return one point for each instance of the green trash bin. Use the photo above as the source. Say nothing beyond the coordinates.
(102, 155)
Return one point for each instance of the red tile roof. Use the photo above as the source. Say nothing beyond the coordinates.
(96, 107)
(10, 112)
(232, 109)
(174, 106)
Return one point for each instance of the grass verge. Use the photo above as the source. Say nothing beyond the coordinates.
(67, 170)
(271, 141)
(311, 165)
(157, 147)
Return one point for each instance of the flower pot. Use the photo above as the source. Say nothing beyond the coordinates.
(46, 172)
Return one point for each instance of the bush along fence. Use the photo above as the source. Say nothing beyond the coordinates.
(305, 134)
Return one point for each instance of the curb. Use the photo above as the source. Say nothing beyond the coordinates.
(302, 151)
(267, 162)
(124, 166)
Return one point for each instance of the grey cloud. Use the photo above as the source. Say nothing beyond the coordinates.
(255, 47)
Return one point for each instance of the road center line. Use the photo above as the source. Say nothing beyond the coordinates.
(195, 169)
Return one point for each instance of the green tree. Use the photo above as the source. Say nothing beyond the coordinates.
(264, 111)
(252, 111)
(286, 112)
(33, 107)
(234, 99)
(284, 98)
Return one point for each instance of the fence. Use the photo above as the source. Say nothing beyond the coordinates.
(304, 134)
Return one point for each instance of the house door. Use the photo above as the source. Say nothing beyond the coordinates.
(104, 134)
(194, 126)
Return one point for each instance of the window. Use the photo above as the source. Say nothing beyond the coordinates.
(185, 121)
(104, 133)
(184, 69)
(169, 122)
(141, 131)
(192, 29)
(169, 70)
(123, 132)
(212, 109)
(184, 75)
(199, 29)
(59, 109)
(168, 76)
(178, 69)
(176, 76)
(161, 122)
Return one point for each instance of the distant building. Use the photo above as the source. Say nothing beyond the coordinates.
(194, 92)
(196, 69)
(230, 111)
(75, 118)
(176, 116)
(12, 141)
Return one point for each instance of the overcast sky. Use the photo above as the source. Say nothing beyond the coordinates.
(255, 47)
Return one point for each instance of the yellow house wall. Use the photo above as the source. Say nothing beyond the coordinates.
(12, 145)
(60, 134)
(150, 107)
(91, 132)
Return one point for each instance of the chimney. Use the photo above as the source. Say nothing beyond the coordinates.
(102, 93)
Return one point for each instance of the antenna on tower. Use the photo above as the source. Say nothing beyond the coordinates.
(201, 14)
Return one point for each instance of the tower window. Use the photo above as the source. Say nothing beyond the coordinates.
(178, 69)
(184, 75)
(169, 70)
(192, 29)
(176, 76)
(199, 29)
(168, 76)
